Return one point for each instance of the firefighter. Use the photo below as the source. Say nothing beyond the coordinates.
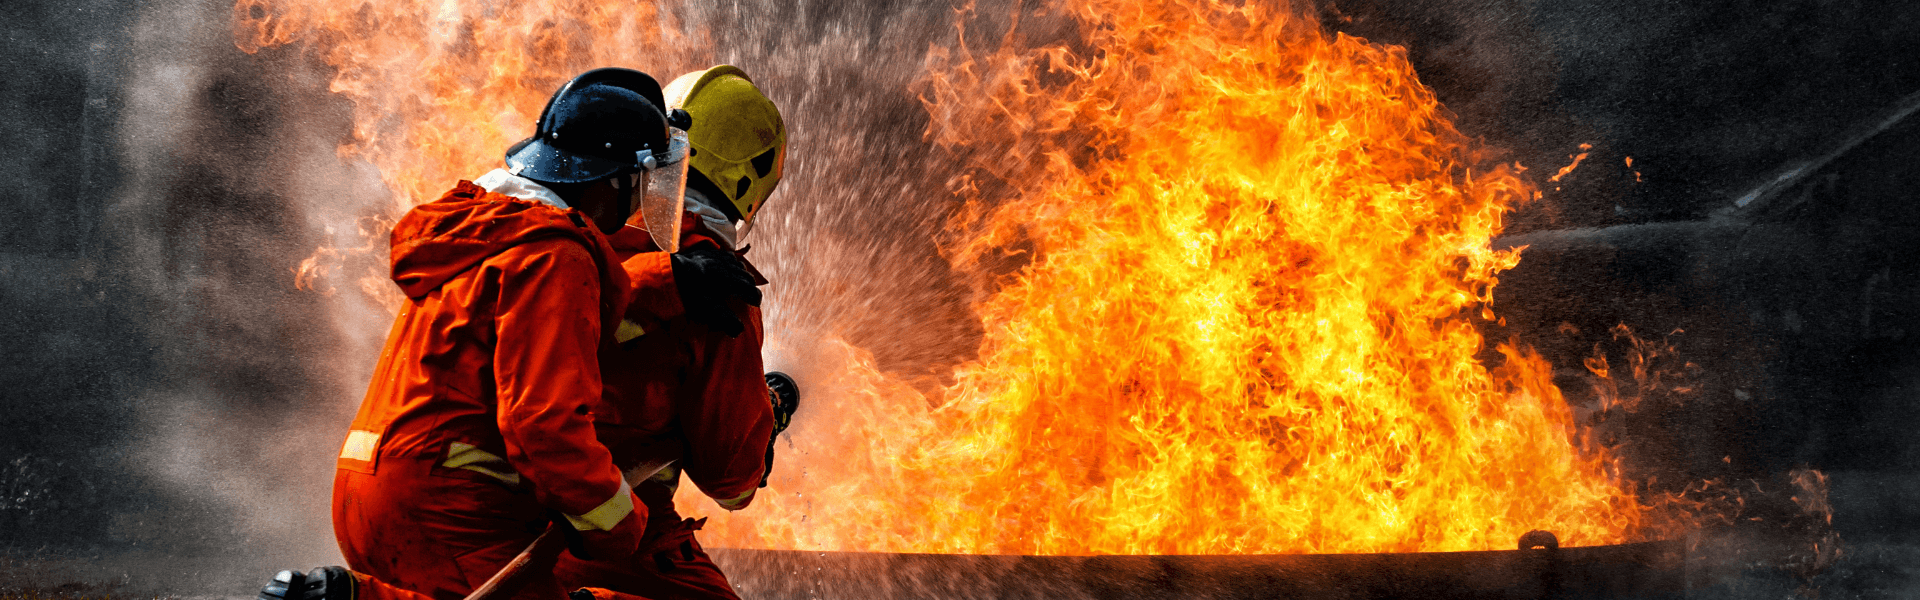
(476, 430)
(686, 381)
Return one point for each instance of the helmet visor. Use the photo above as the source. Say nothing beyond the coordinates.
(661, 194)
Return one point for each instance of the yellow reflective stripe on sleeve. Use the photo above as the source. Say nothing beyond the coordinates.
(462, 455)
(628, 330)
(608, 514)
(360, 445)
(736, 503)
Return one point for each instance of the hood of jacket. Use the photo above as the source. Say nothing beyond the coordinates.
(439, 240)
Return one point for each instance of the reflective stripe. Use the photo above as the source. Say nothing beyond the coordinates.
(360, 445)
(466, 456)
(608, 514)
(628, 330)
(736, 503)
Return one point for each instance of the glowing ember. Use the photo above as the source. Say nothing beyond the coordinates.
(1564, 171)
(1256, 253)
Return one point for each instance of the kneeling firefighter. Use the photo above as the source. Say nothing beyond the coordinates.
(476, 433)
(686, 381)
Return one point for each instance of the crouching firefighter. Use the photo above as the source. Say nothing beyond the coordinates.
(686, 381)
(476, 434)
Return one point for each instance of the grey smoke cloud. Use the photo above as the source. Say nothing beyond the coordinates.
(234, 383)
(222, 161)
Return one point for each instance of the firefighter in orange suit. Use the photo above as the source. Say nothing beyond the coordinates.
(687, 377)
(476, 430)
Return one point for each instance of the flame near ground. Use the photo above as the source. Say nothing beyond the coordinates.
(1226, 266)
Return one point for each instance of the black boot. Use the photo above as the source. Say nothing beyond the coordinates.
(285, 585)
(324, 583)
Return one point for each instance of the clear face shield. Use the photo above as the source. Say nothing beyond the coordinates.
(660, 192)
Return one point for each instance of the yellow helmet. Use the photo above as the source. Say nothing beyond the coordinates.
(739, 142)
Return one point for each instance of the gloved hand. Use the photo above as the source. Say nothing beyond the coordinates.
(784, 393)
(708, 277)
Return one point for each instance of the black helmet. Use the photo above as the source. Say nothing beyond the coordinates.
(605, 122)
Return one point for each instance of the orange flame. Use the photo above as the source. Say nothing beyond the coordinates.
(1246, 322)
(1254, 252)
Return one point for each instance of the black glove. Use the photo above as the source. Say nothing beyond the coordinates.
(785, 396)
(708, 278)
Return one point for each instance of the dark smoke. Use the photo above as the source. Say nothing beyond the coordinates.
(70, 351)
(1708, 98)
(169, 387)
(223, 159)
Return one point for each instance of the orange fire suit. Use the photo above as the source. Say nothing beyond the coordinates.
(678, 387)
(476, 429)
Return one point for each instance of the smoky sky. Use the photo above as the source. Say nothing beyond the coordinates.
(170, 398)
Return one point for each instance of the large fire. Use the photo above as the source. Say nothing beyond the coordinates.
(1248, 259)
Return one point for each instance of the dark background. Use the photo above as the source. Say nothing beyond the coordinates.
(154, 194)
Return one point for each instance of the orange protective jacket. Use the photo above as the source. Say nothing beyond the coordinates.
(676, 389)
(675, 384)
(477, 425)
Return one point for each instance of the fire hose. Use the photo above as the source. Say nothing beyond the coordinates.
(541, 555)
